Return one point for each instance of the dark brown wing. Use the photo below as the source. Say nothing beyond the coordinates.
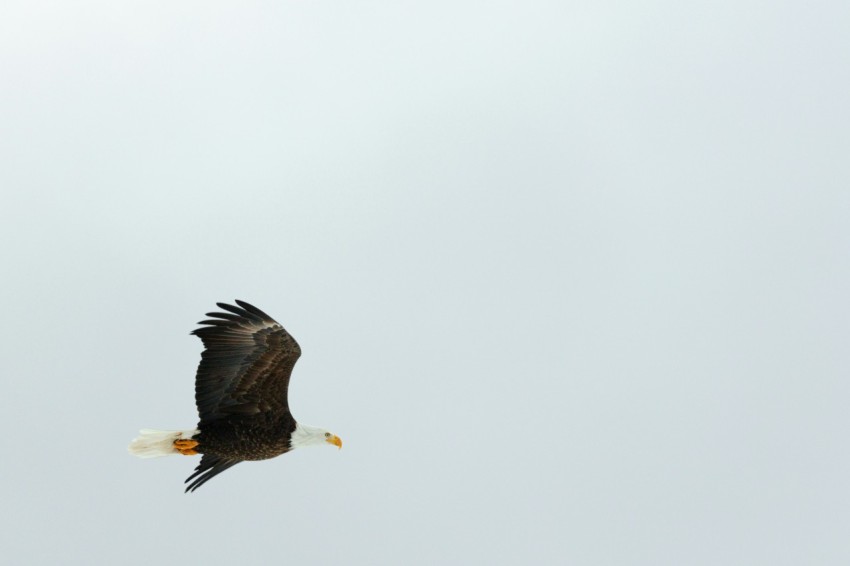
(209, 467)
(246, 365)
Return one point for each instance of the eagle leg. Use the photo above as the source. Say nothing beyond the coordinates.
(186, 447)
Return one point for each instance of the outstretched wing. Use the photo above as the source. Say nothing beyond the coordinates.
(246, 365)
(209, 467)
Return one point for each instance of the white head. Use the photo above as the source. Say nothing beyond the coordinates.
(305, 435)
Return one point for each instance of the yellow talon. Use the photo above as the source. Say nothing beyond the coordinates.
(186, 447)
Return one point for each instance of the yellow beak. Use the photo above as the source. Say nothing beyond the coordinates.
(335, 440)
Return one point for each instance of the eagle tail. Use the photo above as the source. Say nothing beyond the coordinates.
(154, 443)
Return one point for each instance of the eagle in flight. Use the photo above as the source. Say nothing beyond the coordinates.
(241, 393)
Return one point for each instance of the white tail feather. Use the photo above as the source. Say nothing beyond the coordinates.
(154, 443)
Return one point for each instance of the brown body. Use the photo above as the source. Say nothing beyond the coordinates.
(257, 438)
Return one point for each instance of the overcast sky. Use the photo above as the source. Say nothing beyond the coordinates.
(570, 278)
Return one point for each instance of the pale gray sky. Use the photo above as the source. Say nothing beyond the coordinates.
(570, 278)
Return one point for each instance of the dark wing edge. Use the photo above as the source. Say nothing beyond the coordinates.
(209, 467)
(246, 364)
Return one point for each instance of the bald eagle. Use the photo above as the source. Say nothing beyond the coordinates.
(241, 393)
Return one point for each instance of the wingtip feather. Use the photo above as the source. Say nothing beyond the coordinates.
(252, 309)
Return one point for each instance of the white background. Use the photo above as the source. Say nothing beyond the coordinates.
(570, 278)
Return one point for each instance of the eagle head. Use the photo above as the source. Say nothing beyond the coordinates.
(304, 435)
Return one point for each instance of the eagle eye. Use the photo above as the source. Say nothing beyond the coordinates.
(327, 435)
